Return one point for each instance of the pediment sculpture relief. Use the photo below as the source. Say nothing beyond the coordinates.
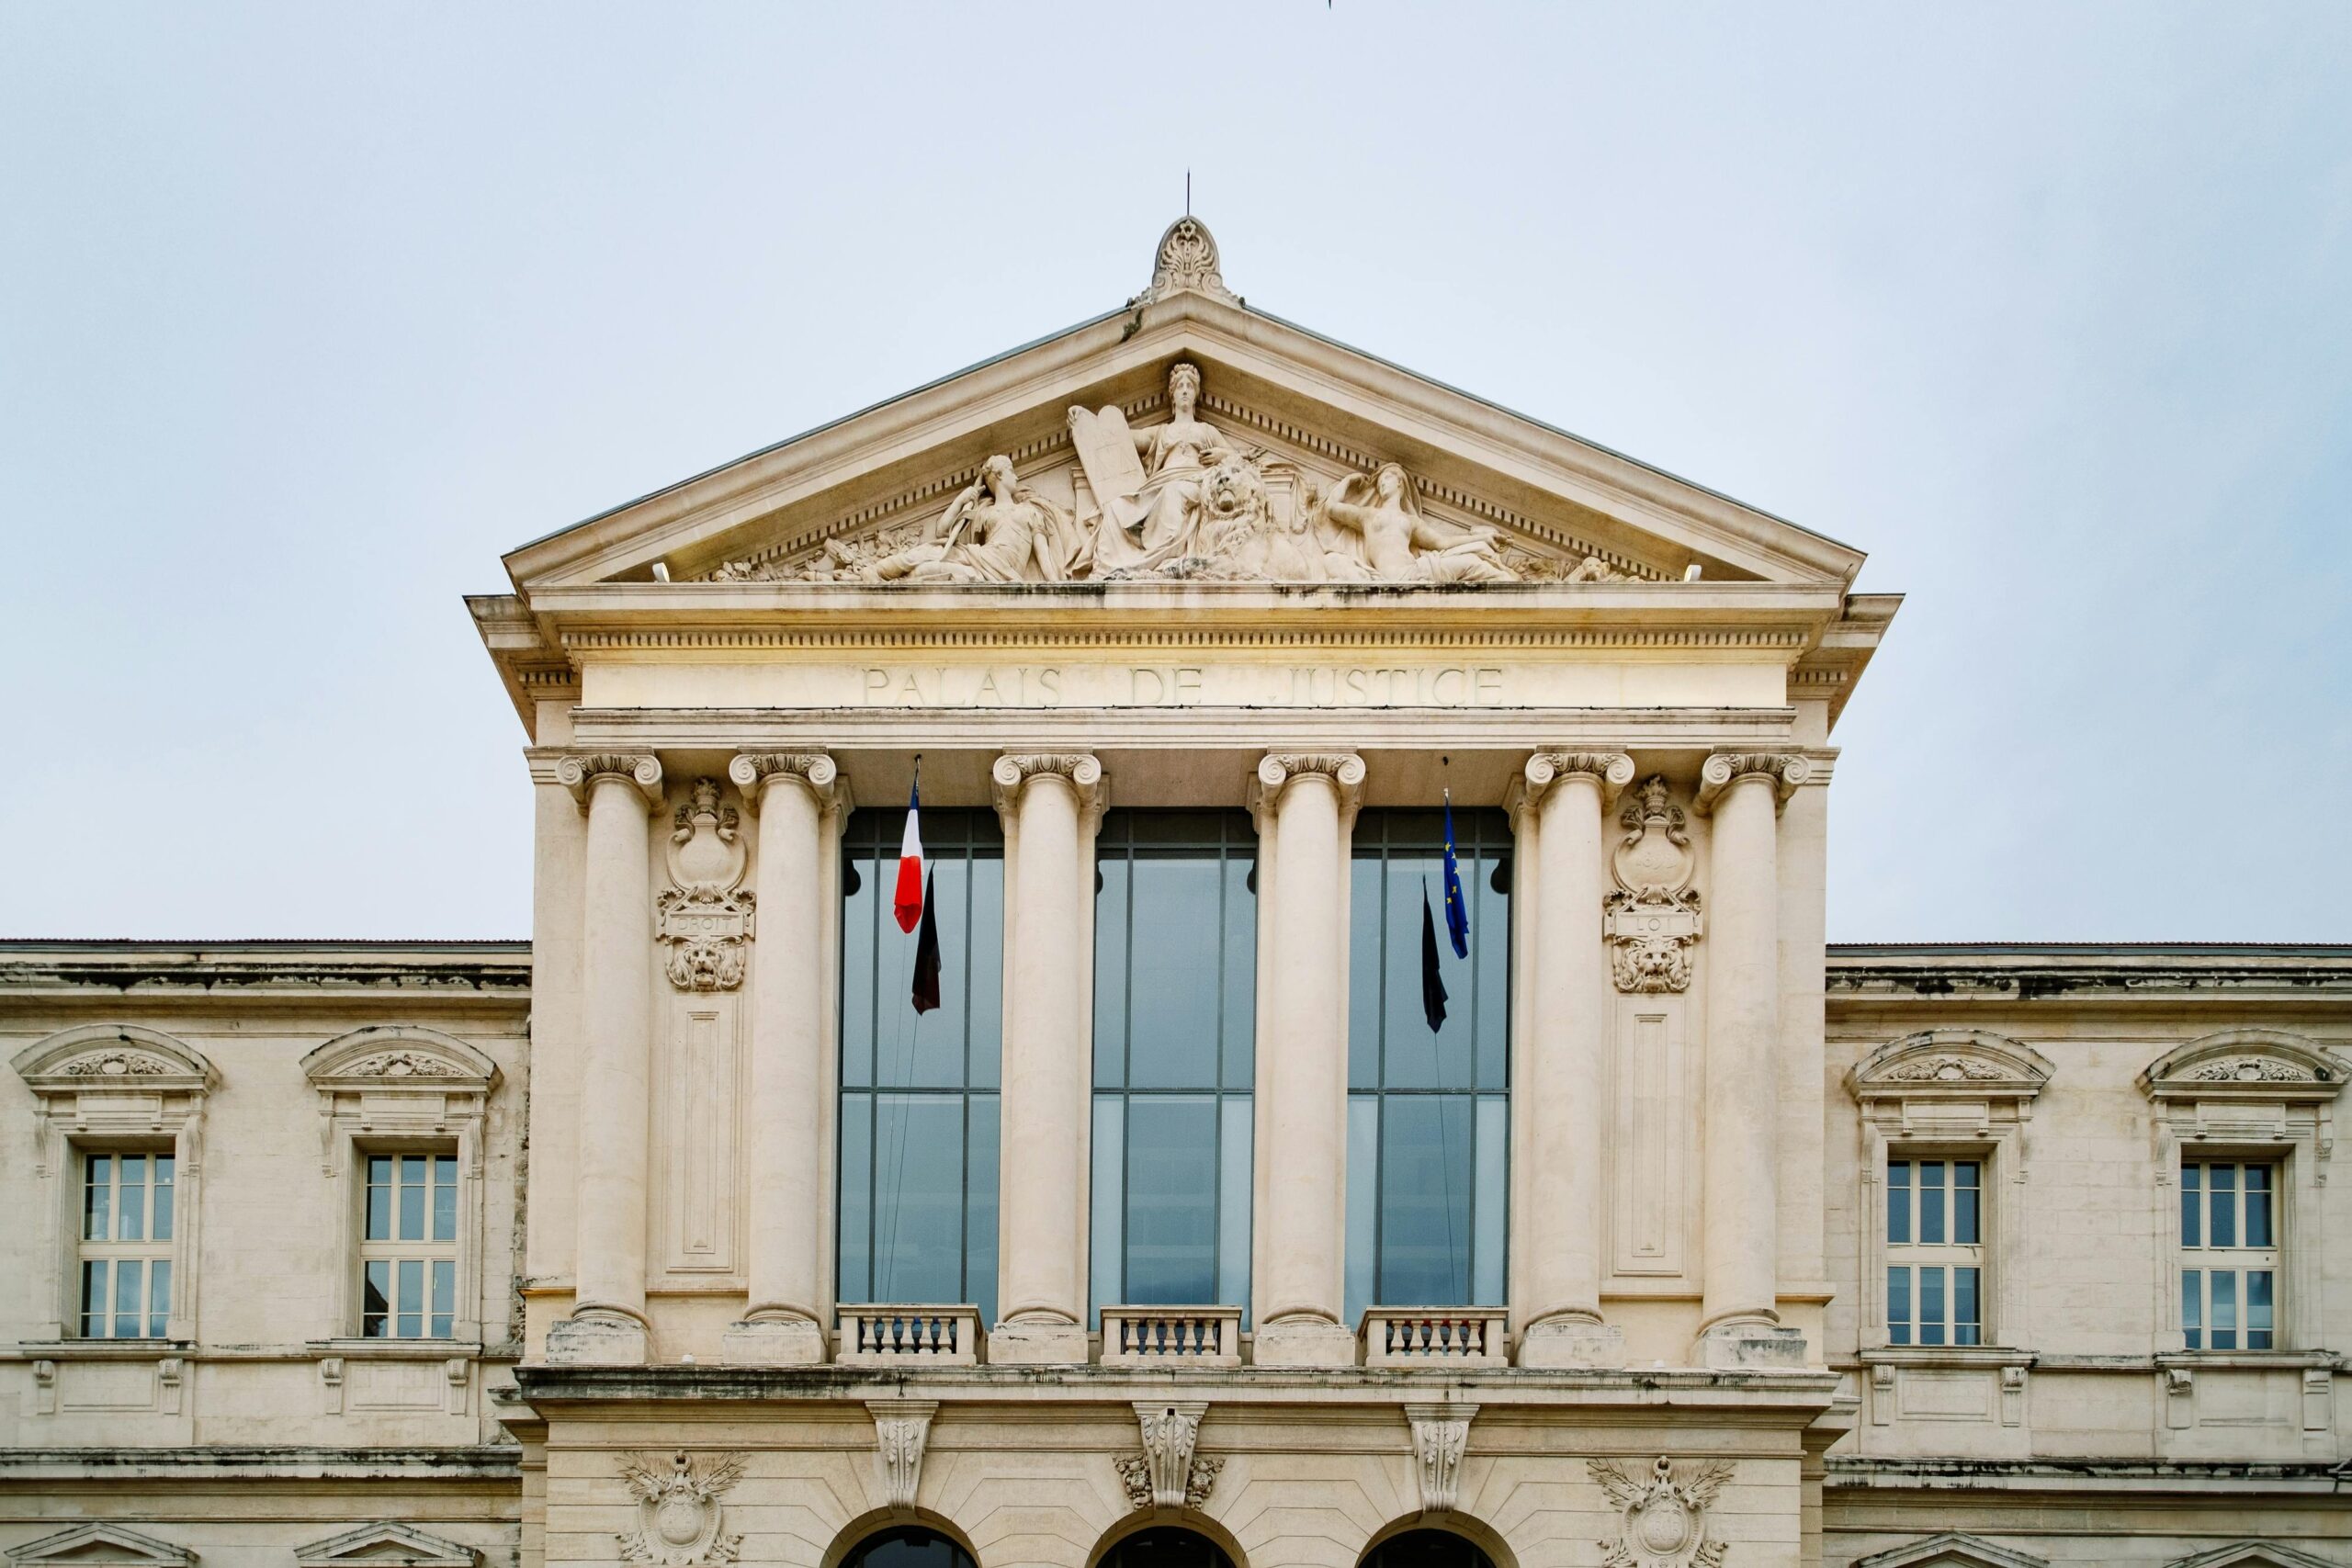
(1182, 500)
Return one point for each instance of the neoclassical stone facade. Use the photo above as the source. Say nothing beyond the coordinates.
(1359, 1077)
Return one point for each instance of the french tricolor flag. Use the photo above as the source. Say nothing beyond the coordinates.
(907, 903)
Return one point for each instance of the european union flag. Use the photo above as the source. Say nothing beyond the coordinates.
(1457, 908)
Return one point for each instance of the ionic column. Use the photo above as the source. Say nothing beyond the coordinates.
(1740, 1318)
(607, 1325)
(1050, 803)
(1565, 1062)
(798, 796)
(1305, 808)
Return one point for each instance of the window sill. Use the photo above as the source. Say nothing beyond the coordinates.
(1945, 1356)
(2272, 1360)
(397, 1349)
(102, 1349)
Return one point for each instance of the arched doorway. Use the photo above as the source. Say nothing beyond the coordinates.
(1426, 1549)
(1165, 1546)
(907, 1546)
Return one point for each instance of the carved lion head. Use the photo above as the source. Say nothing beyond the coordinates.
(1235, 492)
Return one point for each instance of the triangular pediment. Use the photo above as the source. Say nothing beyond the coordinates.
(95, 1545)
(389, 1545)
(1488, 495)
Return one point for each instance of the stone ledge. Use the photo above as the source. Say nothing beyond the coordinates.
(1848, 1473)
(230, 1463)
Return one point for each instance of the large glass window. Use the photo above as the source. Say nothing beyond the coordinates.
(907, 1546)
(126, 1246)
(2229, 1245)
(1175, 994)
(1935, 1250)
(408, 1248)
(1429, 1112)
(919, 1090)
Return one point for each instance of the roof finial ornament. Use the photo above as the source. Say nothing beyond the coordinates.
(1186, 259)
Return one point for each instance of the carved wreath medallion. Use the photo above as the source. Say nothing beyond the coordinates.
(1662, 1515)
(679, 1517)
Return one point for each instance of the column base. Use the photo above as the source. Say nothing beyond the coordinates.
(1303, 1342)
(1749, 1345)
(1038, 1343)
(773, 1342)
(1576, 1342)
(603, 1340)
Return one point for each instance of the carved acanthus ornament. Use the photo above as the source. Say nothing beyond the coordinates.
(1663, 1515)
(1945, 1069)
(678, 1515)
(400, 1065)
(116, 1065)
(1785, 770)
(1187, 258)
(1441, 1437)
(705, 918)
(2252, 1070)
(901, 1428)
(1651, 918)
(1168, 1473)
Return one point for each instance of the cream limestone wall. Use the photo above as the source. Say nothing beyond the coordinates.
(271, 1393)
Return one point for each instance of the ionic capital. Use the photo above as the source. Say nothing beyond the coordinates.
(1278, 770)
(1082, 771)
(1609, 771)
(580, 771)
(1785, 770)
(816, 771)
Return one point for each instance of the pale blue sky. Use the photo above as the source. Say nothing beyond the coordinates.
(307, 313)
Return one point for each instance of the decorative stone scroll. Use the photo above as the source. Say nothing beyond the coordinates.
(1168, 1473)
(1653, 918)
(1012, 772)
(1784, 770)
(1441, 1435)
(1344, 769)
(816, 770)
(1663, 1515)
(578, 773)
(679, 1517)
(901, 1428)
(705, 918)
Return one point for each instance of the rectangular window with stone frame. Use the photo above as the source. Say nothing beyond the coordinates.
(2229, 1255)
(1935, 1252)
(127, 1243)
(408, 1249)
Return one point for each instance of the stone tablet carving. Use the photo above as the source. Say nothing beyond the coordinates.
(1653, 918)
(705, 919)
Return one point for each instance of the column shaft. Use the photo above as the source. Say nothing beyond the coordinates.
(1041, 1269)
(785, 1320)
(608, 1322)
(1741, 1167)
(1566, 1063)
(1303, 1066)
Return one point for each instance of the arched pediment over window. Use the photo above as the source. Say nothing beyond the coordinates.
(1952, 1549)
(2257, 1064)
(104, 1055)
(2250, 1554)
(400, 1055)
(1966, 1063)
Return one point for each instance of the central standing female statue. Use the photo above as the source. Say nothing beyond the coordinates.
(1148, 481)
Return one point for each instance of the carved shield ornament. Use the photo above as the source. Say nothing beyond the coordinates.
(679, 1517)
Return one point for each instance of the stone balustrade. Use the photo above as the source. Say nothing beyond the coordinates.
(891, 1333)
(1418, 1336)
(1151, 1335)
